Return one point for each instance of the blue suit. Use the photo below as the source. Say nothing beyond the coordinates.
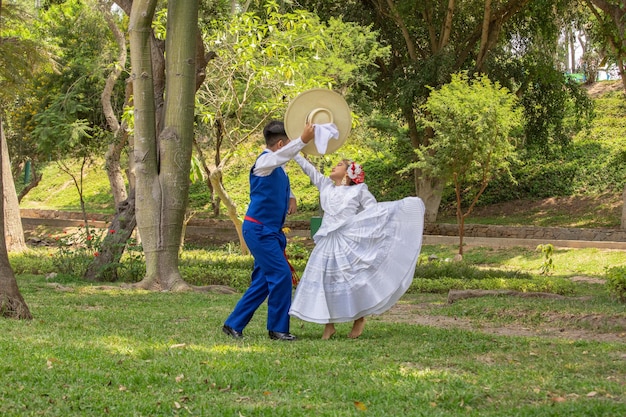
(262, 232)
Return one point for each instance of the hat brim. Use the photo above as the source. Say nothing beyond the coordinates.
(314, 100)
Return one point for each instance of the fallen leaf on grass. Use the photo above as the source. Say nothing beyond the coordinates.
(122, 388)
(180, 377)
(592, 394)
(558, 399)
(179, 345)
(360, 406)
(52, 361)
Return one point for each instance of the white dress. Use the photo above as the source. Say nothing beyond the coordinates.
(364, 256)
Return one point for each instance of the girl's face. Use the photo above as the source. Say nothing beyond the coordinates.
(338, 172)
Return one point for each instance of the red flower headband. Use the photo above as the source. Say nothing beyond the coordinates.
(356, 173)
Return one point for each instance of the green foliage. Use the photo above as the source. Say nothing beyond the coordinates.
(262, 59)
(616, 282)
(472, 120)
(554, 109)
(60, 112)
(76, 250)
(391, 151)
(221, 265)
(547, 251)
(22, 55)
(593, 163)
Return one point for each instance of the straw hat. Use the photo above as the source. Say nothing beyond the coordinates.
(318, 106)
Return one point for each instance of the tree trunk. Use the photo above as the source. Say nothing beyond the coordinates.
(32, 184)
(13, 231)
(622, 72)
(429, 190)
(112, 156)
(572, 48)
(12, 304)
(162, 166)
(104, 267)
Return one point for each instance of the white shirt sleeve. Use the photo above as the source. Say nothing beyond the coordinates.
(316, 177)
(269, 161)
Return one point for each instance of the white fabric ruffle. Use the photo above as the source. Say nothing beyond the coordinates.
(361, 265)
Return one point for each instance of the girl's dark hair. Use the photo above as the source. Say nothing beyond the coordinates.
(273, 132)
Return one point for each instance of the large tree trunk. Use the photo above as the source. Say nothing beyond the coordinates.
(163, 157)
(13, 231)
(12, 304)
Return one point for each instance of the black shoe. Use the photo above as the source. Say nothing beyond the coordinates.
(281, 336)
(232, 332)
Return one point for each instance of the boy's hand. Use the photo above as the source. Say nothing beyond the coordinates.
(308, 134)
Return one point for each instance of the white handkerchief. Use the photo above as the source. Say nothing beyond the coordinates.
(324, 133)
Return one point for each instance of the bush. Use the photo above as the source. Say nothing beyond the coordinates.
(616, 282)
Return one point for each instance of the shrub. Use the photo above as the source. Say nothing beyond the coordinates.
(616, 282)
(75, 251)
(548, 264)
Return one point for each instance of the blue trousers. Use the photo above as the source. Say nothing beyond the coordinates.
(271, 279)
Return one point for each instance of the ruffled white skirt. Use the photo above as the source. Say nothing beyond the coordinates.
(364, 266)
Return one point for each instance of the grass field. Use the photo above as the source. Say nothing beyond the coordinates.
(106, 350)
(93, 351)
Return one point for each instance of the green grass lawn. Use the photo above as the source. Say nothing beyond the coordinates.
(108, 351)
